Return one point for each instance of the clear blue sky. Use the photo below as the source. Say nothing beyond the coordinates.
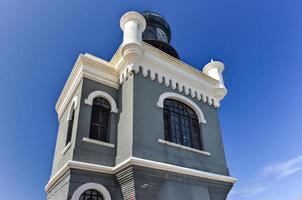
(259, 41)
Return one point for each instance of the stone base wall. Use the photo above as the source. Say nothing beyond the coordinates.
(140, 183)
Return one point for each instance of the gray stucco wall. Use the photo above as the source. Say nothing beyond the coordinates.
(80, 177)
(60, 191)
(181, 191)
(73, 179)
(89, 152)
(148, 127)
(135, 131)
(60, 159)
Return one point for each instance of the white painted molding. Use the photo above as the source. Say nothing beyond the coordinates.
(86, 66)
(106, 144)
(182, 170)
(185, 100)
(137, 162)
(174, 73)
(133, 24)
(214, 69)
(105, 95)
(183, 147)
(213, 65)
(72, 107)
(133, 16)
(100, 188)
(66, 148)
(161, 66)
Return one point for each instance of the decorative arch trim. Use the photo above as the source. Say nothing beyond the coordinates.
(105, 95)
(100, 188)
(185, 100)
(72, 107)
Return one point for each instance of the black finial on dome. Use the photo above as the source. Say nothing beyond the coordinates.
(158, 33)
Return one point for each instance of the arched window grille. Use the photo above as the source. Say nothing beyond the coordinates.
(99, 125)
(70, 126)
(91, 195)
(181, 124)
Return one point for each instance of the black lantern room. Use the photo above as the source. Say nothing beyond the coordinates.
(158, 33)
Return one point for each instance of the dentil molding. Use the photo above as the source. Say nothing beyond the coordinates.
(153, 64)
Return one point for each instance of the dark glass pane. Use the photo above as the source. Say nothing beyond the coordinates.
(94, 129)
(95, 114)
(103, 135)
(192, 114)
(167, 124)
(186, 132)
(69, 130)
(175, 128)
(101, 102)
(104, 117)
(196, 134)
(167, 103)
(99, 119)
(91, 195)
(181, 124)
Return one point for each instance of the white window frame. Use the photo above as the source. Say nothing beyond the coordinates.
(91, 186)
(106, 96)
(183, 99)
(73, 106)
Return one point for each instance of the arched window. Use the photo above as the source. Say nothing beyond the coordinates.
(99, 125)
(91, 191)
(91, 195)
(181, 124)
(70, 126)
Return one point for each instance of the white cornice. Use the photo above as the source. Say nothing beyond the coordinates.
(153, 63)
(166, 58)
(174, 73)
(87, 66)
(137, 162)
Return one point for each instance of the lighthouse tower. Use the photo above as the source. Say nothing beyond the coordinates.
(142, 126)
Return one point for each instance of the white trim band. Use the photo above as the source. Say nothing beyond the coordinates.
(106, 144)
(183, 147)
(105, 95)
(138, 162)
